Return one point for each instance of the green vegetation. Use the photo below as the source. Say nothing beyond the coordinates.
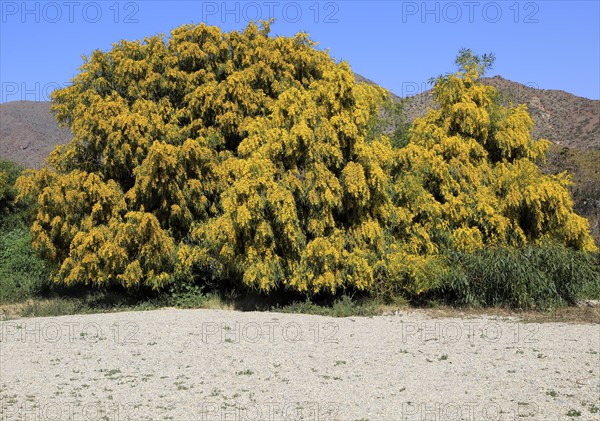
(542, 276)
(13, 214)
(23, 274)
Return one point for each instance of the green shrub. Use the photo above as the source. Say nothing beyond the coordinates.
(591, 290)
(22, 273)
(11, 212)
(535, 276)
(186, 294)
(9, 172)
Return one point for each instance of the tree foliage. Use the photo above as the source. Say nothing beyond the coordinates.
(240, 156)
(9, 171)
(476, 163)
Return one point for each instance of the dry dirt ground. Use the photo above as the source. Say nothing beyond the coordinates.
(228, 365)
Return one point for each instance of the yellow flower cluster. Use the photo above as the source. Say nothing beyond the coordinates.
(470, 170)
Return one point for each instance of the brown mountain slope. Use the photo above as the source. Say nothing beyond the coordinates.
(29, 132)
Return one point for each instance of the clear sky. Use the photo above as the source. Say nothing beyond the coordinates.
(398, 44)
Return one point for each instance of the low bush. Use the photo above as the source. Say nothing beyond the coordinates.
(531, 277)
(22, 273)
(11, 213)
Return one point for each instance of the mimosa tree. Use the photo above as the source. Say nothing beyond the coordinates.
(241, 156)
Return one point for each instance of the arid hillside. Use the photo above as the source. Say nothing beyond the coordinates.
(29, 132)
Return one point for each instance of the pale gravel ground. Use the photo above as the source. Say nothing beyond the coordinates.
(227, 365)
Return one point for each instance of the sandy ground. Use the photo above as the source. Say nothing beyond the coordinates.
(228, 365)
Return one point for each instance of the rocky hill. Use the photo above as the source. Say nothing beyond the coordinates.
(29, 132)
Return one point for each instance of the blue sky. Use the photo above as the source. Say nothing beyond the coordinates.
(398, 44)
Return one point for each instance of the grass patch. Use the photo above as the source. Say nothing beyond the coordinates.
(342, 307)
(89, 303)
(59, 306)
(539, 277)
